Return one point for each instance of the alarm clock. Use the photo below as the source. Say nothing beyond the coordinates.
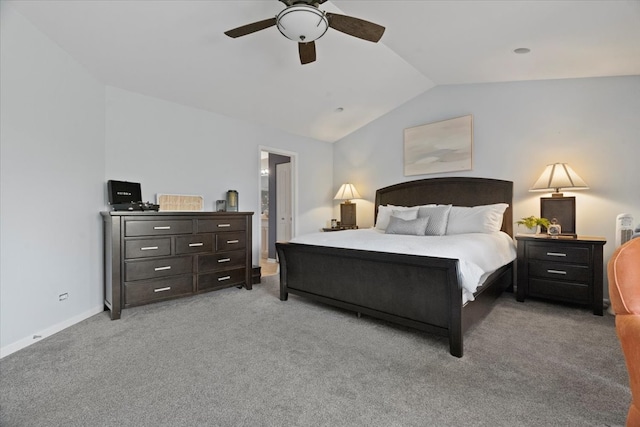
(554, 228)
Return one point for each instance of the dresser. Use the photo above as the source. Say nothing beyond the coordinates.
(561, 269)
(155, 256)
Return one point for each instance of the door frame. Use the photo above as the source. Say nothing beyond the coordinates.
(294, 191)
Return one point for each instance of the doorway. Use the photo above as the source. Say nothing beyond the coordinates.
(277, 202)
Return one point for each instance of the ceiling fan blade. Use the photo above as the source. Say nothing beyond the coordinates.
(355, 27)
(251, 28)
(307, 52)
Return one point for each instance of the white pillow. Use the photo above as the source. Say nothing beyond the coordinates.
(415, 227)
(438, 218)
(407, 215)
(478, 219)
(385, 212)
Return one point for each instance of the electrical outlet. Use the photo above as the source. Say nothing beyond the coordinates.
(63, 297)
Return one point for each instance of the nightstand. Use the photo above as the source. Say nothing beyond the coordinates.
(562, 269)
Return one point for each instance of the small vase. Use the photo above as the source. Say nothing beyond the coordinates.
(526, 230)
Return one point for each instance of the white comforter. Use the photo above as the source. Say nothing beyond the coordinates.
(479, 254)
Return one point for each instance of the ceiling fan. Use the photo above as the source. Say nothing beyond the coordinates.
(303, 22)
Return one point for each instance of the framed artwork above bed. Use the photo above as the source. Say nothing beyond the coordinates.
(445, 146)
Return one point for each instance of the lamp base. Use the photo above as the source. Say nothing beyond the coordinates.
(347, 215)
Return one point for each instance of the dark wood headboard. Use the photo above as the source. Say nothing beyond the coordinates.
(457, 191)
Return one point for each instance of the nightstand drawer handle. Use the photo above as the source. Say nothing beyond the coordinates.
(224, 260)
(168, 267)
(193, 245)
(555, 254)
(556, 272)
(149, 248)
(233, 241)
(168, 288)
(224, 225)
(164, 227)
(222, 279)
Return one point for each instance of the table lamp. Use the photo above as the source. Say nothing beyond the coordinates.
(556, 177)
(347, 209)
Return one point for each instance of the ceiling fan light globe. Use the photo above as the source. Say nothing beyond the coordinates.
(302, 23)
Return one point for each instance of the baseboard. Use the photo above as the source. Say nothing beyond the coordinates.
(26, 342)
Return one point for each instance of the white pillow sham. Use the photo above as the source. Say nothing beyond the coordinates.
(477, 219)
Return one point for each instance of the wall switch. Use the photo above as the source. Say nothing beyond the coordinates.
(63, 297)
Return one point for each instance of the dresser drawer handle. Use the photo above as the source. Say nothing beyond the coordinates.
(556, 254)
(168, 288)
(168, 267)
(224, 260)
(233, 241)
(149, 248)
(222, 279)
(556, 272)
(162, 227)
(224, 225)
(193, 245)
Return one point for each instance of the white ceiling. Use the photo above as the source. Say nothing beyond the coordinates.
(176, 50)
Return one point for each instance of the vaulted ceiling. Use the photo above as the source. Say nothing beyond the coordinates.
(177, 51)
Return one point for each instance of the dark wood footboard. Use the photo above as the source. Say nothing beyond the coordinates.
(420, 292)
(410, 290)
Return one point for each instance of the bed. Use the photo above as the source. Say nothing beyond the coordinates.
(422, 292)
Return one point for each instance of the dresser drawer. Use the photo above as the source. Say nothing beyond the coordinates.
(565, 291)
(559, 253)
(158, 227)
(144, 248)
(230, 241)
(214, 225)
(139, 270)
(559, 271)
(221, 279)
(223, 261)
(143, 292)
(194, 244)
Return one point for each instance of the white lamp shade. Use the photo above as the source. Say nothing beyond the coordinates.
(347, 192)
(559, 176)
(302, 23)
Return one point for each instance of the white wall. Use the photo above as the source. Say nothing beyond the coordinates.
(174, 149)
(592, 124)
(52, 172)
(64, 134)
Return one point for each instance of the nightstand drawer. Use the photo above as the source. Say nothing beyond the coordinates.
(559, 253)
(558, 271)
(572, 292)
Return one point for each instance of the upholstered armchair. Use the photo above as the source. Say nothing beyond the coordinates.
(623, 271)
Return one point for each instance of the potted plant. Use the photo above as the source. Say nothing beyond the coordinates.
(531, 223)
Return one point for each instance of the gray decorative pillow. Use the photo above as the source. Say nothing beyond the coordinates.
(414, 227)
(438, 219)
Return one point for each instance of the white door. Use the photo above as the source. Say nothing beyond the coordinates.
(283, 202)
